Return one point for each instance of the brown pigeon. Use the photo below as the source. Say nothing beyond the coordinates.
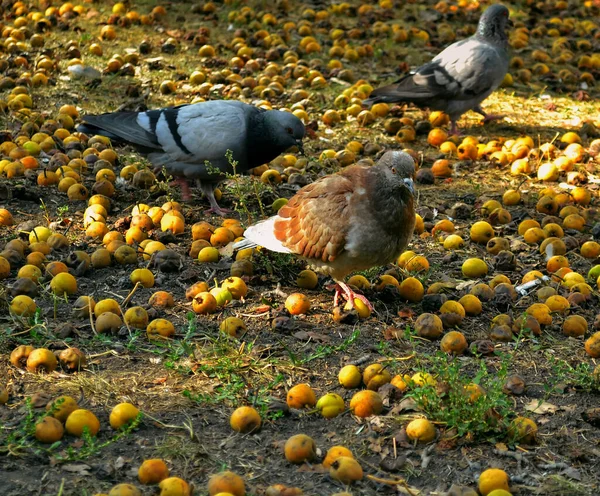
(359, 218)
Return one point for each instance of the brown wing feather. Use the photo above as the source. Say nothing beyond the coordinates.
(314, 223)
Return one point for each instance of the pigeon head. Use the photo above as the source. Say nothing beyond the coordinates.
(285, 129)
(492, 24)
(400, 169)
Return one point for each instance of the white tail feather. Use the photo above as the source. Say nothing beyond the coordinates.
(261, 234)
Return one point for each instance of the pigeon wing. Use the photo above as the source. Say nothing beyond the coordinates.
(468, 70)
(207, 131)
(462, 71)
(314, 223)
(184, 134)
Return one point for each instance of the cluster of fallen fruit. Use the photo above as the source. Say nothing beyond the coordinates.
(63, 414)
(562, 227)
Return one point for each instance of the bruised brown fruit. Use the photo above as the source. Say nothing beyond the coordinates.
(429, 326)
(245, 420)
(19, 355)
(346, 470)
(49, 430)
(72, 359)
(300, 448)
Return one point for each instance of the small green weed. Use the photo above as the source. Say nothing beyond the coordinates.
(482, 416)
(582, 376)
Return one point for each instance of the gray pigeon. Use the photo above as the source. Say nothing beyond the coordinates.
(186, 138)
(356, 219)
(461, 76)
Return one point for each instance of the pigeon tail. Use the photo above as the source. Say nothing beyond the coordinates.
(244, 244)
(121, 126)
(261, 234)
(385, 94)
(404, 90)
(91, 130)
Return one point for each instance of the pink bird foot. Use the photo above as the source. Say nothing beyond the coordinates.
(492, 117)
(454, 131)
(342, 289)
(221, 212)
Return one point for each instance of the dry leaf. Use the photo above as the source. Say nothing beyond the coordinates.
(406, 313)
(541, 407)
(77, 468)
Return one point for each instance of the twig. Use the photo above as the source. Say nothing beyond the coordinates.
(109, 352)
(554, 466)
(130, 295)
(91, 319)
(425, 456)
(393, 482)
(277, 292)
(360, 360)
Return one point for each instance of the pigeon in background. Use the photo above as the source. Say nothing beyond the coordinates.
(359, 218)
(192, 141)
(461, 76)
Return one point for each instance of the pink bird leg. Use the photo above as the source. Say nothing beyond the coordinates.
(488, 117)
(182, 182)
(207, 189)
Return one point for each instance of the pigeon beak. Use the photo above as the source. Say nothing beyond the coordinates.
(300, 146)
(511, 24)
(409, 183)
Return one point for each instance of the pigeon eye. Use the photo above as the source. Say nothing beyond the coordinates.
(393, 170)
(289, 130)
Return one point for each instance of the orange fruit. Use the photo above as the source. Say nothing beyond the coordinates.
(301, 396)
(592, 345)
(474, 268)
(346, 470)
(245, 419)
(334, 453)
(366, 403)
(523, 429)
(174, 486)
(297, 304)
(454, 342)
(481, 232)
(49, 430)
(411, 290)
(152, 471)
(452, 306)
(300, 448)
(574, 326)
(421, 430)
(122, 414)
(491, 479)
(417, 264)
(226, 482)
(349, 376)
(81, 419)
